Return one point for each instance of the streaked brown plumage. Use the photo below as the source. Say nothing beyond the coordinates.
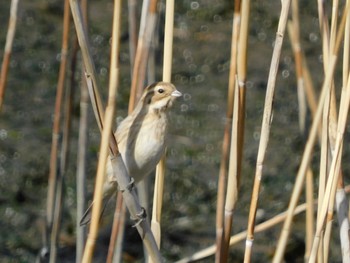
(141, 137)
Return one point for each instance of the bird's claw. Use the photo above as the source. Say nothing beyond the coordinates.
(139, 217)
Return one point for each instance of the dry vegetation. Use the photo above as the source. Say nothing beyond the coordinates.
(271, 172)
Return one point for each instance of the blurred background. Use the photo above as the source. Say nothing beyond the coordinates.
(201, 62)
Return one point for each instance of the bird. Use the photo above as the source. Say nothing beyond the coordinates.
(141, 138)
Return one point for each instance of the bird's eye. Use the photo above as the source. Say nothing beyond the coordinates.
(160, 91)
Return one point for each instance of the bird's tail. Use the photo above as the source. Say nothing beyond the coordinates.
(86, 218)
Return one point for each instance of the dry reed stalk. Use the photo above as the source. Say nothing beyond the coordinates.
(330, 126)
(101, 170)
(115, 243)
(8, 49)
(324, 29)
(113, 82)
(66, 133)
(82, 144)
(309, 145)
(227, 135)
(238, 126)
(55, 178)
(122, 176)
(106, 134)
(81, 171)
(132, 18)
(232, 181)
(242, 79)
(266, 126)
(294, 33)
(310, 92)
(160, 170)
(142, 50)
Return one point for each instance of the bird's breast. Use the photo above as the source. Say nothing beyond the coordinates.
(143, 154)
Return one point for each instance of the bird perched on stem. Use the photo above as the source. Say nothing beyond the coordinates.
(141, 137)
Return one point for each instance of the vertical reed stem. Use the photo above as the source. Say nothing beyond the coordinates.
(55, 175)
(160, 170)
(266, 125)
(82, 145)
(8, 49)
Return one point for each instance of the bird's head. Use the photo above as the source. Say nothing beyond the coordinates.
(160, 95)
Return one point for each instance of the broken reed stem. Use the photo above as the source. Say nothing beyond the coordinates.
(8, 49)
(309, 146)
(266, 125)
(54, 195)
(227, 135)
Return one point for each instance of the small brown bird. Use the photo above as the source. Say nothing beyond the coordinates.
(141, 137)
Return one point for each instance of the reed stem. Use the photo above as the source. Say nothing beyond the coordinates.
(266, 126)
(8, 49)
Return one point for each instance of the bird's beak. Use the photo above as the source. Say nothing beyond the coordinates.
(176, 93)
